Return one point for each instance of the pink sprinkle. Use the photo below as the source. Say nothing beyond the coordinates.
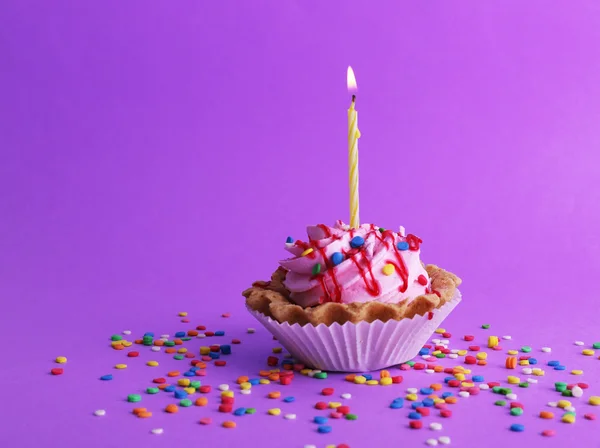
(548, 432)
(590, 416)
(404, 367)
(206, 421)
(336, 415)
(185, 321)
(226, 315)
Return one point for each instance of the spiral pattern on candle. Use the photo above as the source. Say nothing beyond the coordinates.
(353, 136)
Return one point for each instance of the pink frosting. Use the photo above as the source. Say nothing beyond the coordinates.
(385, 268)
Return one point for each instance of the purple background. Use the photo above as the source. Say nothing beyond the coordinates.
(154, 156)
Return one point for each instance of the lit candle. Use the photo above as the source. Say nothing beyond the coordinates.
(353, 136)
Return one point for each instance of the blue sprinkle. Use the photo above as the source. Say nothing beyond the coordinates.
(560, 368)
(239, 411)
(319, 419)
(402, 245)
(416, 404)
(180, 394)
(517, 427)
(214, 355)
(396, 405)
(533, 361)
(289, 399)
(194, 369)
(553, 363)
(324, 429)
(428, 402)
(447, 394)
(289, 240)
(357, 241)
(368, 376)
(448, 378)
(426, 390)
(219, 333)
(337, 258)
(254, 381)
(180, 334)
(477, 379)
(189, 374)
(414, 416)
(106, 377)
(149, 334)
(424, 351)
(169, 388)
(226, 349)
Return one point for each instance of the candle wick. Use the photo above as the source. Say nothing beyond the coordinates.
(353, 98)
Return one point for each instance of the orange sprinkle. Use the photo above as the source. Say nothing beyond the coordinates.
(228, 424)
(511, 362)
(436, 386)
(242, 379)
(450, 400)
(264, 373)
(546, 414)
(202, 401)
(118, 347)
(178, 341)
(274, 394)
(170, 350)
(159, 343)
(144, 414)
(137, 411)
(173, 373)
(162, 386)
(482, 362)
(350, 377)
(192, 333)
(384, 374)
(438, 369)
(274, 377)
(288, 367)
(138, 341)
(172, 408)
(201, 365)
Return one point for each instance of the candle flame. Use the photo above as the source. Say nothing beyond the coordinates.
(351, 81)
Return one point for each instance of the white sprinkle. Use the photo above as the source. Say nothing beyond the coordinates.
(454, 350)
(579, 343)
(445, 342)
(453, 356)
(429, 371)
(402, 231)
(164, 336)
(444, 440)
(532, 380)
(546, 349)
(290, 416)
(552, 404)
(201, 336)
(435, 426)
(464, 394)
(157, 431)
(484, 386)
(431, 442)
(224, 387)
(412, 390)
(100, 413)
(126, 331)
(346, 396)
(164, 339)
(577, 391)
(245, 391)
(155, 348)
(527, 370)
(426, 356)
(310, 446)
(436, 341)
(511, 396)
(508, 338)
(570, 409)
(251, 330)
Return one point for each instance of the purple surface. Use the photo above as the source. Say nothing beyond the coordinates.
(153, 158)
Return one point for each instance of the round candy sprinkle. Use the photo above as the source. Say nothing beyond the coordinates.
(346, 396)
(121, 366)
(229, 424)
(596, 345)
(594, 401)
(100, 413)
(205, 421)
(106, 377)
(548, 433)
(289, 240)
(157, 431)
(431, 442)
(435, 426)
(134, 398)
(444, 440)
(337, 258)
(320, 419)
(579, 343)
(402, 245)
(310, 250)
(316, 269)
(61, 360)
(517, 427)
(357, 241)
(388, 269)
(274, 411)
(324, 429)
(290, 416)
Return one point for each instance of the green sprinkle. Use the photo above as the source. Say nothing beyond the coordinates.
(381, 229)
(516, 411)
(560, 387)
(567, 393)
(152, 390)
(134, 398)
(186, 339)
(170, 343)
(178, 357)
(186, 403)
(505, 391)
(496, 389)
(116, 337)
(320, 375)
(596, 345)
(195, 384)
(524, 384)
(250, 411)
(570, 413)
(410, 363)
(316, 269)
(485, 326)
(440, 355)
(500, 403)
(351, 416)
(525, 349)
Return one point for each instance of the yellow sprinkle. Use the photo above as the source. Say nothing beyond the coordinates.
(481, 355)
(264, 381)
(568, 418)
(330, 446)
(183, 313)
(440, 331)
(274, 370)
(227, 393)
(246, 385)
(152, 363)
(121, 366)
(576, 372)
(467, 384)
(459, 367)
(563, 404)
(277, 349)
(306, 252)
(588, 352)
(372, 383)
(191, 390)
(204, 350)
(492, 341)
(524, 362)
(334, 404)
(435, 352)
(183, 382)
(594, 400)
(126, 343)
(539, 372)
(462, 352)
(412, 397)
(384, 374)
(513, 352)
(459, 376)
(274, 411)
(439, 400)
(385, 381)
(513, 380)
(388, 269)
(466, 371)
(182, 350)
(61, 360)
(113, 343)
(305, 371)
(359, 379)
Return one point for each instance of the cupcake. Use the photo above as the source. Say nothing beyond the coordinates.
(354, 300)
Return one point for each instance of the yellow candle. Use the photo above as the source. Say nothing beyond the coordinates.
(353, 136)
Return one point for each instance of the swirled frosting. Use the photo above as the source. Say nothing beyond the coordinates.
(344, 265)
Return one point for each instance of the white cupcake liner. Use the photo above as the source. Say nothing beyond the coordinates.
(360, 347)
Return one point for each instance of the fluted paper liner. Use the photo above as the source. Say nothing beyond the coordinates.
(360, 347)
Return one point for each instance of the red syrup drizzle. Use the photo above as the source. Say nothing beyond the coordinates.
(337, 297)
(374, 289)
(429, 315)
(414, 242)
